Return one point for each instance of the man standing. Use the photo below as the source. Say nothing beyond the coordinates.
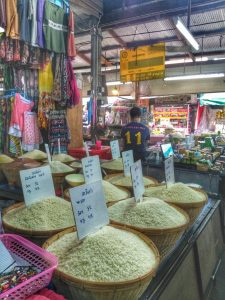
(135, 135)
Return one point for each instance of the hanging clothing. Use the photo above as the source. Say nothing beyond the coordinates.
(31, 135)
(15, 145)
(5, 115)
(45, 80)
(20, 106)
(2, 14)
(12, 20)
(71, 50)
(45, 105)
(74, 98)
(25, 24)
(40, 16)
(58, 129)
(55, 28)
(33, 19)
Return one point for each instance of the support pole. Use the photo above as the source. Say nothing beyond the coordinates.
(96, 83)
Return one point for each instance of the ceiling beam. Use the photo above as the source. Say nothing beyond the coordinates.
(118, 39)
(197, 34)
(84, 57)
(159, 10)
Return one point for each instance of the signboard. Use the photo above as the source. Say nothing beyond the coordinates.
(37, 184)
(91, 168)
(137, 181)
(89, 207)
(142, 63)
(169, 171)
(115, 149)
(128, 160)
(6, 260)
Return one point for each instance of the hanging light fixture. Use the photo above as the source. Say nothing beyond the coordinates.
(187, 34)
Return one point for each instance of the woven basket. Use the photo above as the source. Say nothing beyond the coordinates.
(12, 170)
(74, 288)
(67, 196)
(130, 188)
(59, 178)
(164, 239)
(192, 209)
(35, 236)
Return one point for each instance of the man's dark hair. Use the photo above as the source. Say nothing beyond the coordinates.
(135, 112)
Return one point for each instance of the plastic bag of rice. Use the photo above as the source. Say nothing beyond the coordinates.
(49, 214)
(35, 154)
(116, 164)
(176, 193)
(64, 158)
(150, 213)
(109, 255)
(58, 167)
(125, 181)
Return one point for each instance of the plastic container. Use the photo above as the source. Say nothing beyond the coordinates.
(27, 252)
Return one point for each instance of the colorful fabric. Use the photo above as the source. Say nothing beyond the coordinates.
(45, 105)
(55, 28)
(46, 78)
(32, 15)
(57, 83)
(20, 106)
(5, 115)
(12, 20)
(2, 14)
(15, 145)
(71, 50)
(25, 24)
(74, 93)
(8, 50)
(40, 16)
(31, 135)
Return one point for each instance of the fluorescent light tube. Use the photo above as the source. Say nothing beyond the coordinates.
(195, 76)
(187, 34)
(113, 83)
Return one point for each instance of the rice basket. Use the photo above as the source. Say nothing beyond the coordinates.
(77, 288)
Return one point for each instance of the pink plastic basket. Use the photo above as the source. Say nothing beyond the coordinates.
(28, 252)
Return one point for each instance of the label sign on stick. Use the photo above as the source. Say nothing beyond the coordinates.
(86, 149)
(115, 149)
(128, 160)
(6, 260)
(169, 171)
(89, 207)
(137, 180)
(91, 168)
(48, 153)
(37, 184)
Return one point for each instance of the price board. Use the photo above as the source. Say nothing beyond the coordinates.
(128, 160)
(37, 184)
(142, 63)
(169, 171)
(91, 168)
(137, 181)
(115, 149)
(89, 207)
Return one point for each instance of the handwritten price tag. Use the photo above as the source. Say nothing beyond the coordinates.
(115, 149)
(169, 171)
(128, 160)
(89, 207)
(37, 184)
(91, 168)
(137, 181)
(48, 153)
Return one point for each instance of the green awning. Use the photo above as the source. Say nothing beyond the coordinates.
(212, 99)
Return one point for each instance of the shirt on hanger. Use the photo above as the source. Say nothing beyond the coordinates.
(40, 16)
(33, 19)
(55, 28)
(12, 22)
(25, 24)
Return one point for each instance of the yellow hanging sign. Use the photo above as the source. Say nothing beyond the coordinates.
(142, 63)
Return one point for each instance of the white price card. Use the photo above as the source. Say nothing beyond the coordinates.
(48, 153)
(86, 149)
(89, 207)
(169, 171)
(137, 180)
(37, 184)
(7, 263)
(91, 168)
(128, 160)
(115, 149)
